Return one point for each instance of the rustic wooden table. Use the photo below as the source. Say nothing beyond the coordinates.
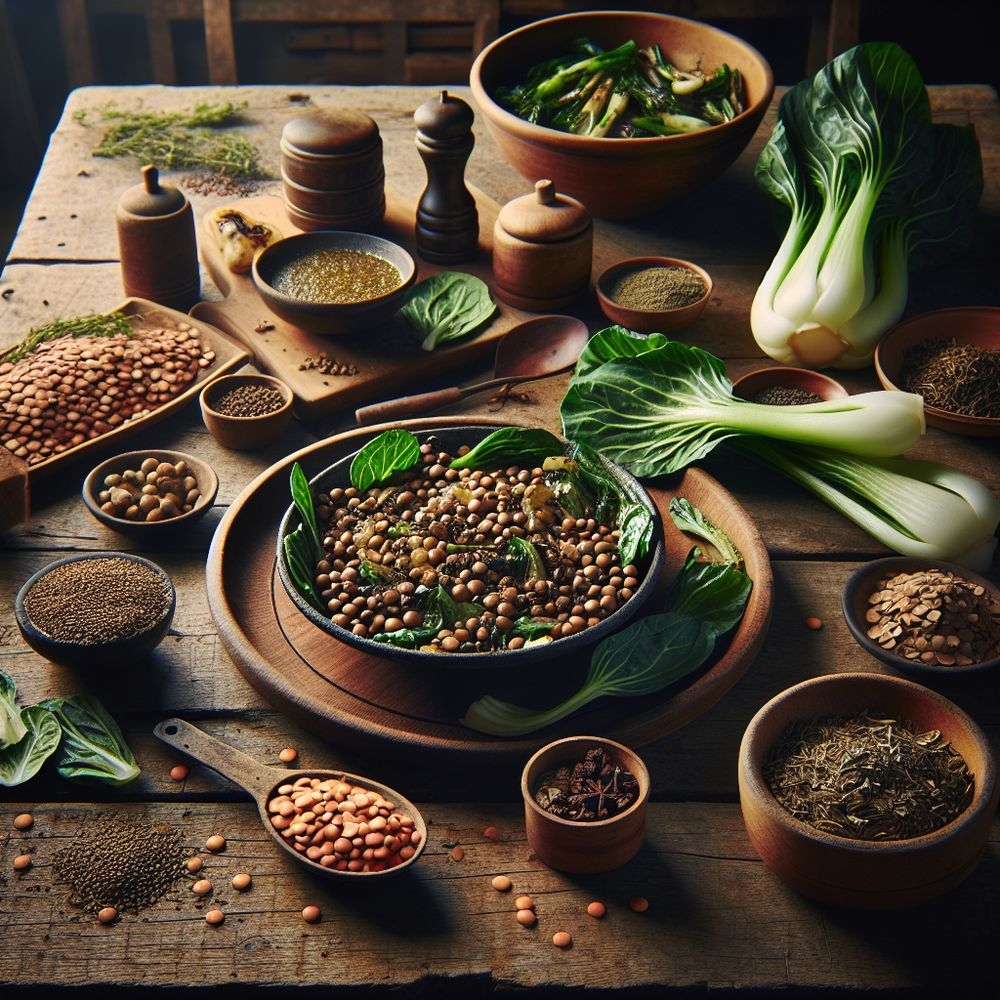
(717, 919)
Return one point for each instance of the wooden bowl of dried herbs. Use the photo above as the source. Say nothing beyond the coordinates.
(867, 790)
(951, 357)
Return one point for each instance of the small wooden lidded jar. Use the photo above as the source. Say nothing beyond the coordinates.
(543, 249)
(332, 172)
(157, 243)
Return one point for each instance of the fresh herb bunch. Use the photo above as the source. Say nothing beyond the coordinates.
(113, 324)
(175, 140)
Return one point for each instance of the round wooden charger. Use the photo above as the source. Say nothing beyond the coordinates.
(389, 709)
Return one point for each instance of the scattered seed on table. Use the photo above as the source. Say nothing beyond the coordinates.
(562, 939)
(215, 843)
(22, 862)
(194, 864)
(814, 623)
(457, 852)
(490, 833)
(178, 772)
(241, 881)
(526, 918)
(596, 909)
(311, 914)
(215, 917)
(202, 887)
(638, 904)
(289, 755)
(524, 903)
(501, 883)
(25, 821)
(107, 915)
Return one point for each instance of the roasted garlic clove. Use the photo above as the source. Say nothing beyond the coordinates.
(240, 237)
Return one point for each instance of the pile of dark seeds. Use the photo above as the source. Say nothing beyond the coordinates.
(98, 600)
(450, 527)
(250, 400)
(121, 865)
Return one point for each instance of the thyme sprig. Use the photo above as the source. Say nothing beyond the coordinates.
(114, 324)
(174, 140)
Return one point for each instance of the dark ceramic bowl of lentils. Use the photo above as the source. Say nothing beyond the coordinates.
(245, 412)
(102, 609)
(440, 528)
(924, 617)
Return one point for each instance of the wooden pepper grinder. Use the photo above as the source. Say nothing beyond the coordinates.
(447, 227)
(157, 243)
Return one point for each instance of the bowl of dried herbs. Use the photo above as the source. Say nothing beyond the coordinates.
(866, 790)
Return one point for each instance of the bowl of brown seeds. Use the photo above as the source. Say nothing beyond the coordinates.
(924, 617)
(151, 494)
(333, 282)
(867, 790)
(246, 411)
(108, 609)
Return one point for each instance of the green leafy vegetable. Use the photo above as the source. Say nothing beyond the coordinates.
(22, 760)
(714, 593)
(657, 411)
(391, 452)
(12, 726)
(524, 559)
(507, 444)
(447, 306)
(872, 188)
(689, 518)
(303, 547)
(93, 747)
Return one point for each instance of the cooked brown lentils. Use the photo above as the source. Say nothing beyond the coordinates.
(452, 527)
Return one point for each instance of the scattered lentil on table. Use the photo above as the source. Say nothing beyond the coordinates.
(311, 914)
(24, 821)
(98, 599)
(657, 289)
(935, 617)
(242, 881)
(254, 399)
(71, 390)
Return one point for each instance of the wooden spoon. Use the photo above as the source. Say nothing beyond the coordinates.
(537, 348)
(262, 782)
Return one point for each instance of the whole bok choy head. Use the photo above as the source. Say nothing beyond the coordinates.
(875, 189)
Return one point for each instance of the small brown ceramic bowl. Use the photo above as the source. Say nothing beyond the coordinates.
(898, 650)
(620, 178)
(223, 413)
(107, 485)
(653, 320)
(978, 326)
(111, 615)
(764, 384)
(331, 318)
(583, 846)
(865, 874)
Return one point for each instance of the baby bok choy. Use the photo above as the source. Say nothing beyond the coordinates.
(872, 189)
(654, 406)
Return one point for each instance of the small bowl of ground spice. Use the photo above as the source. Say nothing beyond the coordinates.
(924, 617)
(653, 294)
(152, 494)
(585, 803)
(331, 282)
(951, 357)
(107, 609)
(247, 411)
(867, 790)
(783, 386)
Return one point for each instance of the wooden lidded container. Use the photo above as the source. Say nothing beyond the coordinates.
(332, 172)
(157, 243)
(543, 249)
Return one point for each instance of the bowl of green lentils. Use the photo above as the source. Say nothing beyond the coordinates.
(97, 609)
(245, 412)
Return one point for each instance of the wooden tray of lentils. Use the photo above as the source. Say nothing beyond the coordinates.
(384, 708)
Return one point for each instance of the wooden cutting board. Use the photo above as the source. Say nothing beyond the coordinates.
(374, 364)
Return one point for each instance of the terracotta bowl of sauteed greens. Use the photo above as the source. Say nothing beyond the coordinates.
(470, 546)
(641, 109)
(331, 282)
(867, 790)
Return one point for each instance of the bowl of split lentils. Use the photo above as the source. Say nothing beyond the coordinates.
(107, 609)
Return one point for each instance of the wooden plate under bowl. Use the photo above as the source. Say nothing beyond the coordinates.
(976, 325)
(373, 705)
